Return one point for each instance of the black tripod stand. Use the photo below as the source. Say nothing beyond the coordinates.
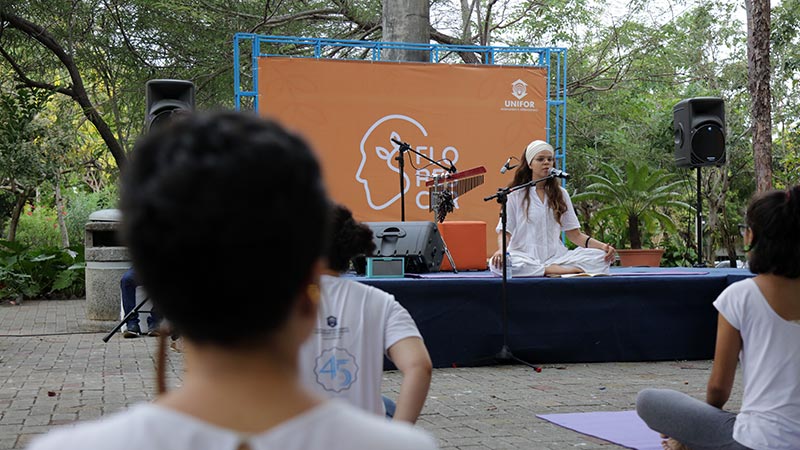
(505, 355)
(127, 317)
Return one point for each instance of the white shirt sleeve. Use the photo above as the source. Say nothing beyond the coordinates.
(399, 324)
(731, 305)
(569, 220)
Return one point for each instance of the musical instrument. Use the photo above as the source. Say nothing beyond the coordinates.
(443, 189)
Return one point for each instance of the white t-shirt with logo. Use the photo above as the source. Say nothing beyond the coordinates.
(356, 325)
(770, 414)
(332, 425)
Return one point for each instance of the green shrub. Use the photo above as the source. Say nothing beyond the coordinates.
(81, 204)
(38, 227)
(36, 272)
(677, 254)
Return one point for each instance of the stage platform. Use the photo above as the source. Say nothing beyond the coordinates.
(636, 314)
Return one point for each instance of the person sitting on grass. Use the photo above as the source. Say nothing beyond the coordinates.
(356, 326)
(242, 314)
(758, 325)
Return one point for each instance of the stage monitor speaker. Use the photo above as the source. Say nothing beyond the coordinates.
(419, 243)
(699, 128)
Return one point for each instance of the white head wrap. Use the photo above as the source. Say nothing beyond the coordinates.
(536, 147)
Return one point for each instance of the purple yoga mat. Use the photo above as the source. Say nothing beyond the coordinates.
(623, 428)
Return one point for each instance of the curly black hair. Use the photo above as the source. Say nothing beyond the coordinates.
(774, 219)
(225, 215)
(348, 239)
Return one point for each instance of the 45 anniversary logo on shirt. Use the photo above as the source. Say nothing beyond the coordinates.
(336, 369)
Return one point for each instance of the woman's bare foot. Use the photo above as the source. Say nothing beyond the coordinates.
(672, 444)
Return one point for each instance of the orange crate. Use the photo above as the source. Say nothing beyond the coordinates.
(467, 243)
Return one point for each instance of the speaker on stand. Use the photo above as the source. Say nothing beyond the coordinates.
(699, 129)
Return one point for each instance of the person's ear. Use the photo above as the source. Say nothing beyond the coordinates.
(309, 302)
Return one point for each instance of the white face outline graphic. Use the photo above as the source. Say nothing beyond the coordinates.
(386, 155)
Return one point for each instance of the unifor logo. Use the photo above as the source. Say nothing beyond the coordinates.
(519, 89)
(331, 321)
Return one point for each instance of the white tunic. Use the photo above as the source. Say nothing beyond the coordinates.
(770, 414)
(536, 237)
(356, 325)
(330, 426)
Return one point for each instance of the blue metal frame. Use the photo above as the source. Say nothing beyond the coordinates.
(554, 59)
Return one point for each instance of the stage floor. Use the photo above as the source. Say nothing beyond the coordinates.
(636, 314)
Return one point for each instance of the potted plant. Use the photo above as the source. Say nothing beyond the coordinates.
(636, 196)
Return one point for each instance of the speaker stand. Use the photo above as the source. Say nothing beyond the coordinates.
(699, 219)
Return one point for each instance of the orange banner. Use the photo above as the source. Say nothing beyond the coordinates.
(351, 110)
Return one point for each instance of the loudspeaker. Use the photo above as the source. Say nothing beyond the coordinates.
(699, 128)
(165, 98)
(419, 243)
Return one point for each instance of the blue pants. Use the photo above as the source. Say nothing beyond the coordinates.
(128, 286)
(390, 406)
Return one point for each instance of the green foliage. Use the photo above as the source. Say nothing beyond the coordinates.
(639, 195)
(33, 273)
(787, 160)
(20, 159)
(38, 228)
(81, 204)
(677, 253)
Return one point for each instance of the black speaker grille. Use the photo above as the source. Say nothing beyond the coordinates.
(708, 145)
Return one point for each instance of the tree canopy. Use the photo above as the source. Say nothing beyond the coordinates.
(82, 64)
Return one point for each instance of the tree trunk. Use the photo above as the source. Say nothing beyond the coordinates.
(22, 197)
(406, 21)
(61, 211)
(758, 75)
(633, 232)
(76, 91)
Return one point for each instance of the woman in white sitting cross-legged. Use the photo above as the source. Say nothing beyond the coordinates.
(536, 217)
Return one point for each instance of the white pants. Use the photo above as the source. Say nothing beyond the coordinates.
(590, 260)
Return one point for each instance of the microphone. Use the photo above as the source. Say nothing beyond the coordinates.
(559, 173)
(400, 143)
(506, 166)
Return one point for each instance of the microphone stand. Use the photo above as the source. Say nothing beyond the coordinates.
(505, 354)
(401, 164)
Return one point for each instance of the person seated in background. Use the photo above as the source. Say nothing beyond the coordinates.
(536, 216)
(242, 317)
(758, 324)
(356, 326)
(128, 285)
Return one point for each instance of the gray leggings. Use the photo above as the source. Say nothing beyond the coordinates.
(689, 421)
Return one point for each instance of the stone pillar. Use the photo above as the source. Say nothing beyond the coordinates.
(106, 261)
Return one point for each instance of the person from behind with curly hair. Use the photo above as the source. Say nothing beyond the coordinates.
(202, 263)
(356, 326)
(758, 327)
